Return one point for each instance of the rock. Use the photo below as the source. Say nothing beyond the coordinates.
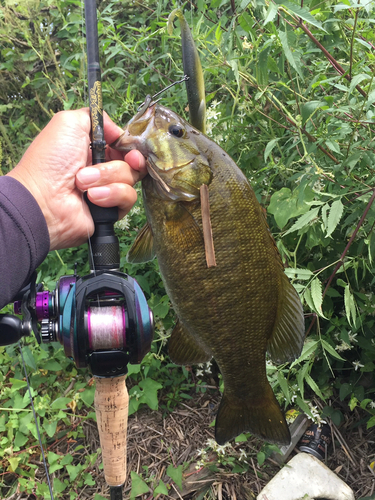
(305, 477)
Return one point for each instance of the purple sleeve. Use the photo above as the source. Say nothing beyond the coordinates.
(24, 238)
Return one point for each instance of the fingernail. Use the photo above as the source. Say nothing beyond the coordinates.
(99, 193)
(88, 175)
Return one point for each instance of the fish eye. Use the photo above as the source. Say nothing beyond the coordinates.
(176, 130)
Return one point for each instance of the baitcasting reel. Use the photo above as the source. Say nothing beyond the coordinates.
(102, 320)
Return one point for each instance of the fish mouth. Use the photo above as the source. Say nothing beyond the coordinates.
(133, 136)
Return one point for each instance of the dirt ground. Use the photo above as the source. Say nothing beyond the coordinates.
(156, 440)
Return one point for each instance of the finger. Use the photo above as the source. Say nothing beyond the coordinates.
(108, 173)
(137, 161)
(118, 195)
(111, 130)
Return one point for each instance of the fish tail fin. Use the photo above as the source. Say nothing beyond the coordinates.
(262, 417)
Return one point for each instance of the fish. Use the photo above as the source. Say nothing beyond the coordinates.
(193, 70)
(237, 310)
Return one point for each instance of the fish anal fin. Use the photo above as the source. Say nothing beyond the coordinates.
(142, 249)
(183, 348)
(262, 417)
(287, 338)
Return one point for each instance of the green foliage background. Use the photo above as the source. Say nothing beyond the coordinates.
(290, 95)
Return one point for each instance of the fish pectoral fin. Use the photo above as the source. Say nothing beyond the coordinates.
(287, 338)
(184, 229)
(142, 249)
(261, 416)
(183, 348)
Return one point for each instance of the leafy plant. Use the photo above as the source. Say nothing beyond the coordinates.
(290, 95)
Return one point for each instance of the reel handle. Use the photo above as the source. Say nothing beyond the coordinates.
(111, 407)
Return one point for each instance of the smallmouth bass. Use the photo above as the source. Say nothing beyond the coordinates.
(241, 308)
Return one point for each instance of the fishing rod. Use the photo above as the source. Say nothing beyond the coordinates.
(102, 320)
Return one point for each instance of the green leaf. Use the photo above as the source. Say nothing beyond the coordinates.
(28, 357)
(350, 310)
(150, 392)
(288, 53)
(333, 146)
(241, 438)
(59, 486)
(268, 150)
(17, 384)
(139, 487)
(13, 461)
(370, 99)
(244, 4)
(314, 386)
(371, 422)
(60, 403)
(261, 457)
(304, 220)
(308, 299)
(283, 384)
(160, 305)
(88, 395)
(345, 390)
(331, 350)
(284, 205)
(309, 348)
(20, 439)
(303, 14)
(262, 68)
(50, 427)
(317, 296)
(271, 13)
(175, 473)
(298, 274)
(234, 65)
(304, 407)
(308, 109)
(160, 489)
(334, 216)
(74, 470)
(357, 80)
(301, 378)
(52, 366)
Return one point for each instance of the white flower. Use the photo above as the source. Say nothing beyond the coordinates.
(353, 337)
(357, 365)
(372, 404)
(211, 443)
(242, 455)
(123, 224)
(246, 45)
(201, 453)
(199, 373)
(343, 347)
(208, 367)
(221, 449)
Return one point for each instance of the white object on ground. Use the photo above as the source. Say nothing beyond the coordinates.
(305, 477)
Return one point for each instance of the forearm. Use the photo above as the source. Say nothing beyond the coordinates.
(24, 238)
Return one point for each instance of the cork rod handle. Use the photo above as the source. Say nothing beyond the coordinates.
(111, 406)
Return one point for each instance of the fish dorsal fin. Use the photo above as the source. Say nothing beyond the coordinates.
(183, 348)
(142, 249)
(287, 337)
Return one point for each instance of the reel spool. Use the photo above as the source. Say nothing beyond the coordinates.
(101, 320)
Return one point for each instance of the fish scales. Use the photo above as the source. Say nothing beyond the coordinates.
(237, 310)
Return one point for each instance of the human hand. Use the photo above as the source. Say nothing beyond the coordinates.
(56, 169)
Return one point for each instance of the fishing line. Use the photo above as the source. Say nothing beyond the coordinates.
(150, 100)
(36, 422)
